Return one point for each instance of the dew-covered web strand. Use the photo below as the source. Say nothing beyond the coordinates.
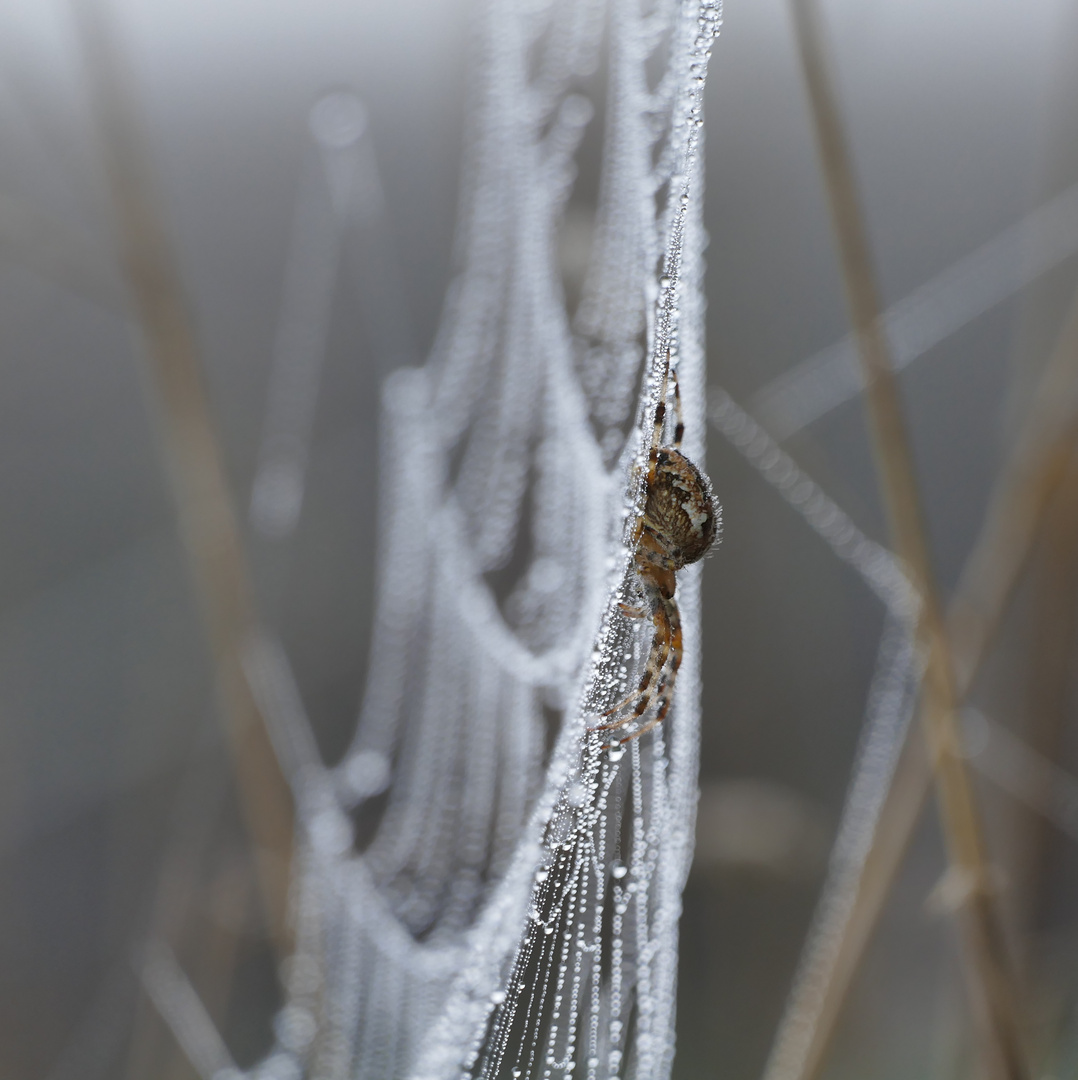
(935, 310)
(336, 124)
(890, 703)
(435, 911)
(1002, 546)
(892, 697)
(875, 564)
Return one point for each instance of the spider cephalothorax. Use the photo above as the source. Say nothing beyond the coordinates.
(680, 515)
(679, 524)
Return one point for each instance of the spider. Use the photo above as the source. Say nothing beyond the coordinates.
(680, 523)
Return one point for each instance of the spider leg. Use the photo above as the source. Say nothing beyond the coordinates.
(657, 431)
(660, 414)
(658, 423)
(644, 700)
(642, 707)
(657, 660)
(658, 718)
(666, 642)
(666, 689)
(679, 419)
(657, 426)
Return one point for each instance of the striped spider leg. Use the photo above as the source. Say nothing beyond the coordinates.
(679, 524)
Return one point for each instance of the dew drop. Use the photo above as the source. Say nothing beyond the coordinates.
(338, 120)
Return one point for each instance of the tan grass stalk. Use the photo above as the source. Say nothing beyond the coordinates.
(1050, 648)
(207, 521)
(1032, 474)
(988, 968)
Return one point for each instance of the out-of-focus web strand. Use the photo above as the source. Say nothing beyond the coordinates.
(409, 950)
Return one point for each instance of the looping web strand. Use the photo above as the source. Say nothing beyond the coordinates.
(515, 913)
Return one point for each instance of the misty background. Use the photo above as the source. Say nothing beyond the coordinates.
(962, 122)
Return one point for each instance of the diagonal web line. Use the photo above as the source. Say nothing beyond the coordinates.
(1021, 771)
(876, 565)
(988, 275)
(891, 698)
(993, 750)
(180, 1006)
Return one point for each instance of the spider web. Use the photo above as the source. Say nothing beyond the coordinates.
(514, 913)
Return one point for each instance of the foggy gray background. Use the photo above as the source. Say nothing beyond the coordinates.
(961, 121)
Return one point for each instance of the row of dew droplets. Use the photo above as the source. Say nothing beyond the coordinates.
(580, 993)
(461, 718)
(451, 718)
(440, 946)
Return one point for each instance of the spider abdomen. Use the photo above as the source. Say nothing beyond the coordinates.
(681, 512)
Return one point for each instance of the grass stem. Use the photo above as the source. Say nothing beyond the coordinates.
(207, 520)
(988, 967)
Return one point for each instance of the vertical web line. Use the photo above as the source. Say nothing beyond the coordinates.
(533, 931)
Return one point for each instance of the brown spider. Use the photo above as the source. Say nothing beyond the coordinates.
(680, 523)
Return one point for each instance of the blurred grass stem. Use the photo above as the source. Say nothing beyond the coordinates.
(207, 521)
(1051, 648)
(989, 970)
(1035, 470)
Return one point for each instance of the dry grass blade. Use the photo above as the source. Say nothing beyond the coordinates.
(1028, 482)
(207, 521)
(816, 1004)
(988, 967)
(1030, 478)
(1049, 679)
